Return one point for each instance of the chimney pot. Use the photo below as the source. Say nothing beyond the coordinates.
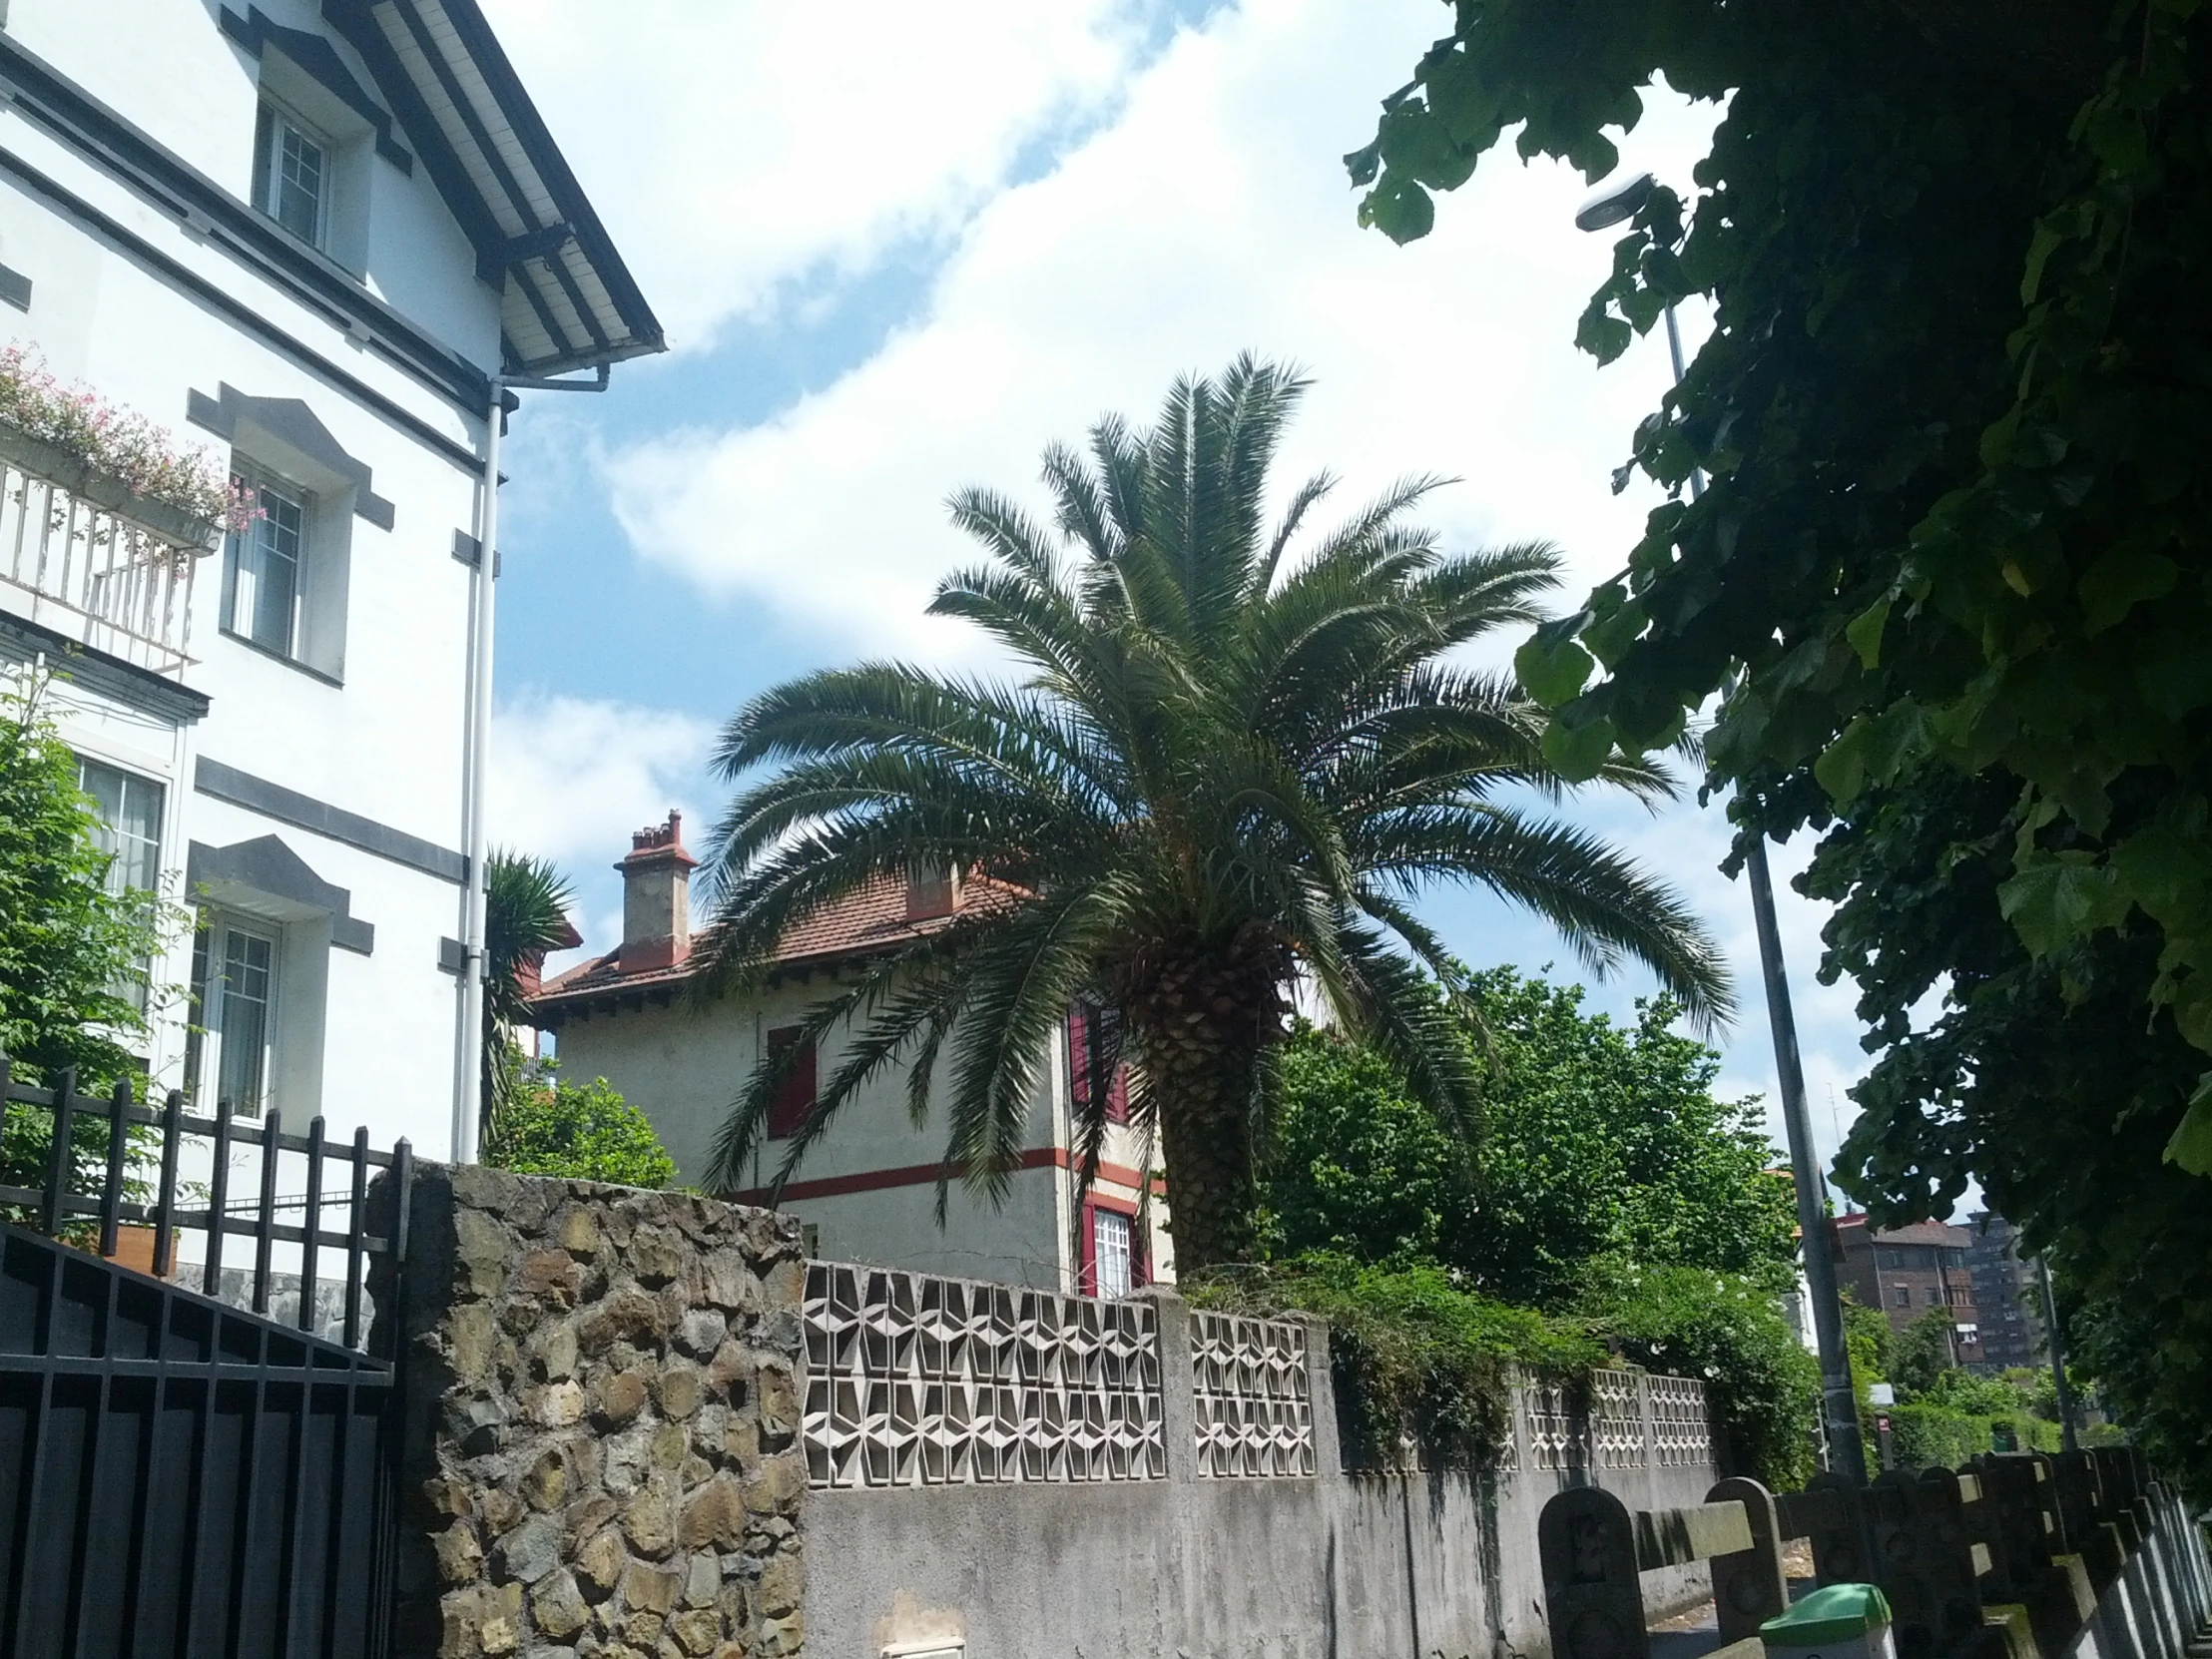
(656, 897)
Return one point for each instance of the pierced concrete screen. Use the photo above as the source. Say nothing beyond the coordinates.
(1554, 1442)
(1680, 1435)
(914, 1381)
(1253, 1408)
(1616, 1421)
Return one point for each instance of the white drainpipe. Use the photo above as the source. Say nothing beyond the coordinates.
(468, 1086)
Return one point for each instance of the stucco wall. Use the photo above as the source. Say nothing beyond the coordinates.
(682, 1067)
(1333, 1567)
(387, 743)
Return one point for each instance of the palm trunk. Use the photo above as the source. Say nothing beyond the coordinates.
(1199, 1026)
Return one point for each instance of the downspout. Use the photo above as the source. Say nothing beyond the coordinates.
(468, 1086)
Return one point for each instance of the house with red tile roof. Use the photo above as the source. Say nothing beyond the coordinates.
(868, 1190)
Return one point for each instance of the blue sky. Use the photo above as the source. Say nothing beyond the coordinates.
(899, 250)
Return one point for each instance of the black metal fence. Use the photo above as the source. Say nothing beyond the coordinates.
(179, 1476)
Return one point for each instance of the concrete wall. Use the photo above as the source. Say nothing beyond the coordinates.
(1336, 1566)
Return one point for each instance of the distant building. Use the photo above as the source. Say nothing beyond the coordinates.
(2009, 1294)
(1907, 1271)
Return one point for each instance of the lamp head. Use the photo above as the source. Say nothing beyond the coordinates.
(1613, 204)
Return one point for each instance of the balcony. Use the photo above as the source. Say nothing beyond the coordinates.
(82, 555)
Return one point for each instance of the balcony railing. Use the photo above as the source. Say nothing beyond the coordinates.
(117, 579)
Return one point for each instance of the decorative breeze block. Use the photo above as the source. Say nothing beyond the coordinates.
(1251, 1396)
(917, 1380)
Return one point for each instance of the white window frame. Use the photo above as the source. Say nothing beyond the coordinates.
(1124, 1254)
(274, 123)
(215, 1013)
(111, 839)
(277, 497)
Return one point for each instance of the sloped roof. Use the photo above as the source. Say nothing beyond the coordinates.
(866, 924)
(1937, 1233)
(567, 299)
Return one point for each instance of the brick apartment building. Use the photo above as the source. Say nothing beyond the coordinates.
(1908, 1270)
(2007, 1293)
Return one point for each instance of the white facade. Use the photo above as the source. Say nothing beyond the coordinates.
(311, 758)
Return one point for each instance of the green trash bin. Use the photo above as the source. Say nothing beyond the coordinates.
(1842, 1621)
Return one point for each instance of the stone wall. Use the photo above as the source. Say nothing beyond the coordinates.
(601, 1448)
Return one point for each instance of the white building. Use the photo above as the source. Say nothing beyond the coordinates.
(308, 236)
(867, 1191)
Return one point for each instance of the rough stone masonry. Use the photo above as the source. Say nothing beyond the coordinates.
(601, 1455)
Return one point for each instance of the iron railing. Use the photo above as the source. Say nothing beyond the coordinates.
(56, 1206)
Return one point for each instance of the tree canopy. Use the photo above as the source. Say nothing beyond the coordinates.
(1953, 409)
(1595, 1140)
(1949, 567)
(1238, 749)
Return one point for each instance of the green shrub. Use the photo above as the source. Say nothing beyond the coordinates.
(1728, 1332)
(578, 1133)
(1927, 1436)
(1415, 1355)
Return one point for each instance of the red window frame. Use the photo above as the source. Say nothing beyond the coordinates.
(1140, 1268)
(795, 1096)
(1080, 1069)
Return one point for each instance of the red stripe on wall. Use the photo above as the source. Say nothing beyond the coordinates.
(917, 1174)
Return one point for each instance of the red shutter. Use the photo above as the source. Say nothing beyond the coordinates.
(1079, 1057)
(795, 1096)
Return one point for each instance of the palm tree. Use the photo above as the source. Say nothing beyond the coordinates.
(1224, 765)
(526, 904)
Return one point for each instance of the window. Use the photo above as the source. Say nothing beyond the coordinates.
(130, 832)
(260, 597)
(1905, 1295)
(795, 1096)
(1091, 1030)
(1113, 1249)
(234, 970)
(292, 174)
(127, 809)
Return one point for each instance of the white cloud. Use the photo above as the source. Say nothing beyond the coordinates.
(733, 145)
(1212, 215)
(571, 778)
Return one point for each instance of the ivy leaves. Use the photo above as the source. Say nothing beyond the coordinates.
(1954, 412)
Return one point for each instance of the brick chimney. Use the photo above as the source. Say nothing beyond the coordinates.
(656, 897)
(932, 891)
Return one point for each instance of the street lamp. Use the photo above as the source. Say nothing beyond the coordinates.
(1616, 205)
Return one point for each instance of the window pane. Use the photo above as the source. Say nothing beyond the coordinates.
(1110, 1239)
(296, 190)
(243, 1026)
(264, 574)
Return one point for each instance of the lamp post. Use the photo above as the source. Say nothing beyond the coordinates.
(1612, 206)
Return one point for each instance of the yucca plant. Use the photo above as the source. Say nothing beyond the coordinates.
(526, 906)
(1222, 766)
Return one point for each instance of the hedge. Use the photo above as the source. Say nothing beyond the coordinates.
(1927, 1437)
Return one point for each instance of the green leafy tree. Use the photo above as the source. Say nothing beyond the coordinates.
(1923, 1352)
(1596, 1141)
(72, 953)
(2037, 1076)
(1230, 759)
(1728, 1330)
(526, 906)
(1957, 492)
(575, 1132)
